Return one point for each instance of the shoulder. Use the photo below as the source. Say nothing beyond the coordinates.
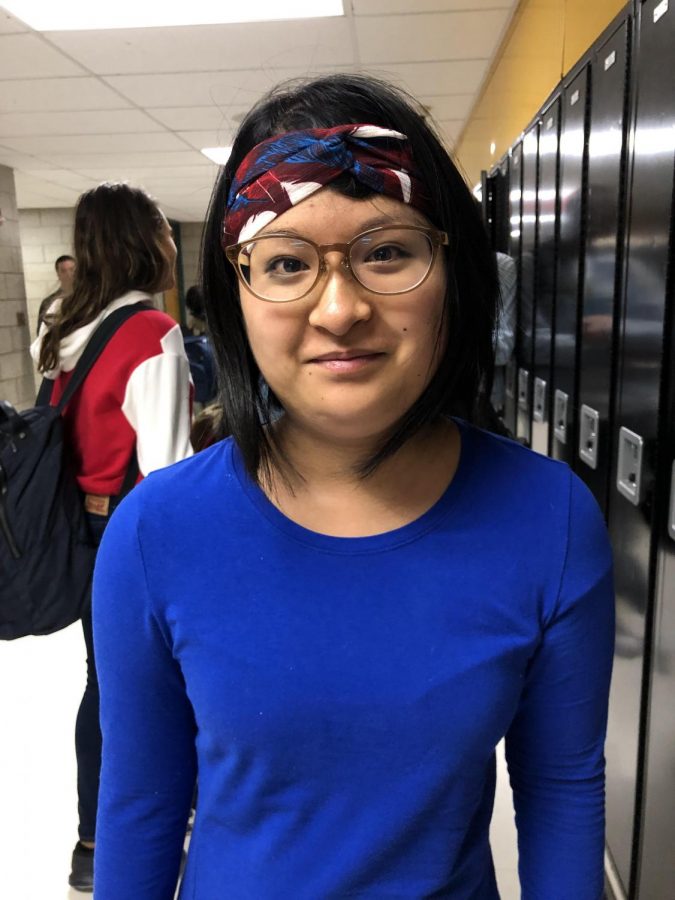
(149, 333)
(521, 494)
(174, 495)
(507, 462)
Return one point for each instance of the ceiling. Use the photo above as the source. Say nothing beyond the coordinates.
(81, 107)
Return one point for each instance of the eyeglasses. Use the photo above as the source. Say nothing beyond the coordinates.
(386, 260)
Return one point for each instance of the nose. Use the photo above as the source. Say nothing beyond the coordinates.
(340, 301)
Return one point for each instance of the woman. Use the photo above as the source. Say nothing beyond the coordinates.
(131, 415)
(389, 590)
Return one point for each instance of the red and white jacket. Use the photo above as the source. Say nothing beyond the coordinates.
(137, 393)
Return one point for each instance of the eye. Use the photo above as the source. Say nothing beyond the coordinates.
(386, 253)
(286, 265)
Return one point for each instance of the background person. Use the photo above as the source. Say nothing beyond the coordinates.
(134, 402)
(65, 272)
(387, 590)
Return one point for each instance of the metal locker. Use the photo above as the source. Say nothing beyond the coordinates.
(637, 494)
(526, 298)
(547, 238)
(573, 149)
(515, 183)
(657, 859)
(601, 294)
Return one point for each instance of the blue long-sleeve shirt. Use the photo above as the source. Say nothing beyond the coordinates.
(341, 698)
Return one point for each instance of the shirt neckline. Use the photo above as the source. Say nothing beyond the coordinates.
(372, 543)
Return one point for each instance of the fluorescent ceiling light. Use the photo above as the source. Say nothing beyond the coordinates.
(218, 155)
(83, 15)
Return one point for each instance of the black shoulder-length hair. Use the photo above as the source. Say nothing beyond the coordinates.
(464, 373)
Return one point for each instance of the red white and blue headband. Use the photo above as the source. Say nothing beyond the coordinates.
(281, 171)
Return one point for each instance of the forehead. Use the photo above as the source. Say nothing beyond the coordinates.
(329, 216)
(66, 264)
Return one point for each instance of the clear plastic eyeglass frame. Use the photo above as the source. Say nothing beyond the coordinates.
(436, 239)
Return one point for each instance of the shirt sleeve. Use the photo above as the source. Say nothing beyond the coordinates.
(555, 745)
(157, 405)
(149, 763)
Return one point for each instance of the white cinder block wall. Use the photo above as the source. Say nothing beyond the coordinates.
(16, 371)
(46, 234)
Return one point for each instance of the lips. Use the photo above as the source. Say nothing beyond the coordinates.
(344, 355)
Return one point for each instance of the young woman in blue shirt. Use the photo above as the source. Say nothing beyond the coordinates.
(386, 589)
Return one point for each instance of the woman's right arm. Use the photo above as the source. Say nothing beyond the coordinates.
(149, 766)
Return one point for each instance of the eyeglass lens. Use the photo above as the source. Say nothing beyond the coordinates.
(389, 261)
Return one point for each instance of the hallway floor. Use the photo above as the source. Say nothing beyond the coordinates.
(42, 682)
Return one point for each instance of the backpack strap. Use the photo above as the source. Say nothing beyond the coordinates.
(95, 346)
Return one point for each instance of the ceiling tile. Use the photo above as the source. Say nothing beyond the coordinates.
(418, 38)
(431, 78)
(9, 24)
(450, 130)
(200, 118)
(94, 143)
(58, 94)
(16, 160)
(63, 177)
(268, 45)
(121, 121)
(99, 164)
(220, 137)
(389, 7)
(457, 106)
(29, 56)
(221, 89)
(28, 184)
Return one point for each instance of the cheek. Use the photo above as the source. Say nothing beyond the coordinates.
(273, 333)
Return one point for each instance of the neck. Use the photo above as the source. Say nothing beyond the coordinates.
(326, 493)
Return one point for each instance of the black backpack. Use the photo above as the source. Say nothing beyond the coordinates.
(46, 551)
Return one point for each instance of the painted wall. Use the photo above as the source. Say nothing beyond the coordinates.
(16, 371)
(545, 40)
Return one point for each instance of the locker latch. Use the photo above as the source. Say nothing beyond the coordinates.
(560, 416)
(523, 389)
(629, 474)
(589, 427)
(539, 413)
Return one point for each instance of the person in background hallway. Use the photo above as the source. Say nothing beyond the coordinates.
(133, 408)
(199, 350)
(65, 272)
(505, 332)
(387, 590)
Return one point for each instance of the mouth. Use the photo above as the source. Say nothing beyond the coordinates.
(347, 360)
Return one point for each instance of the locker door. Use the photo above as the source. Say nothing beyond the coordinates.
(603, 261)
(657, 863)
(547, 215)
(515, 183)
(573, 146)
(636, 493)
(528, 255)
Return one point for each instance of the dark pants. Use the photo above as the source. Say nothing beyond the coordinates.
(87, 727)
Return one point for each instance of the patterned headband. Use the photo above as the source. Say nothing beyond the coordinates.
(282, 171)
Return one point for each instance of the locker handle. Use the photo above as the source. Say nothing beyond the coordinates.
(629, 474)
(539, 414)
(589, 427)
(560, 416)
